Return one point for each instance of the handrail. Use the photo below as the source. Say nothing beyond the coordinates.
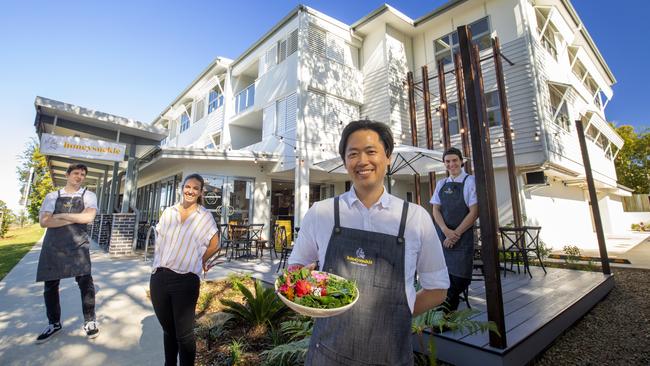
(146, 242)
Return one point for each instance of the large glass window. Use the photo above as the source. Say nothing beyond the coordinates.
(558, 106)
(547, 31)
(493, 108)
(185, 120)
(444, 47)
(215, 99)
(454, 121)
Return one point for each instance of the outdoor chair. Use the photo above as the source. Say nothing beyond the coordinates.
(224, 239)
(531, 245)
(281, 237)
(240, 245)
(513, 243)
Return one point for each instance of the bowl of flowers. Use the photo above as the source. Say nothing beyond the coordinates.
(316, 294)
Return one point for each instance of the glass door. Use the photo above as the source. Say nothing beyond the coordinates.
(229, 198)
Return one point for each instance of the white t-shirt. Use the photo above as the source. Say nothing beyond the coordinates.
(469, 191)
(423, 248)
(90, 199)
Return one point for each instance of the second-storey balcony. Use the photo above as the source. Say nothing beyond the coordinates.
(245, 99)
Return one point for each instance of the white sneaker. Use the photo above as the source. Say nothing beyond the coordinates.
(92, 329)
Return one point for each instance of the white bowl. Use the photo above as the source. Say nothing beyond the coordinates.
(315, 312)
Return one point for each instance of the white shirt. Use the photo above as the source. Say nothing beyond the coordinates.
(180, 246)
(469, 191)
(423, 249)
(49, 202)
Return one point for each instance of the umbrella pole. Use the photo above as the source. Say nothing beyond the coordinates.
(388, 184)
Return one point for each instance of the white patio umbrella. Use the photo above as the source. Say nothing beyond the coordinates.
(405, 160)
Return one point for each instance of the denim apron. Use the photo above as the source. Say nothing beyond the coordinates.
(453, 208)
(377, 330)
(65, 252)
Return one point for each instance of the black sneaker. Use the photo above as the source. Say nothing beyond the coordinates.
(92, 329)
(50, 331)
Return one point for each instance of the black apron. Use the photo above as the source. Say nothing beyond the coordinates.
(65, 252)
(377, 330)
(453, 208)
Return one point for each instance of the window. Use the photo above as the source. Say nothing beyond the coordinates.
(286, 109)
(215, 100)
(317, 41)
(185, 117)
(282, 50)
(454, 122)
(547, 31)
(214, 142)
(328, 45)
(558, 106)
(200, 110)
(279, 52)
(493, 108)
(445, 47)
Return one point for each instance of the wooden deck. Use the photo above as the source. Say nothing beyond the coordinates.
(537, 311)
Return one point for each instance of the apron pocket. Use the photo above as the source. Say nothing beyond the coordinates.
(327, 356)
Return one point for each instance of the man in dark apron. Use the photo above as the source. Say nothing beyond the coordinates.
(454, 211)
(65, 251)
(378, 241)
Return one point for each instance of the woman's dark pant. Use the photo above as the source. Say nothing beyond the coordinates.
(456, 287)
(53, 306)
(174, 297)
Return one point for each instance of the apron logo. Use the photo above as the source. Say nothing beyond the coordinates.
(67, 205)
(448, 190)
(360, 259)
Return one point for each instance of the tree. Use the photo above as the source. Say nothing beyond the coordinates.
(633, 161)
(6, 218)
(41, 180)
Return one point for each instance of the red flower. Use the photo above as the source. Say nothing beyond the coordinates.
(303, 288)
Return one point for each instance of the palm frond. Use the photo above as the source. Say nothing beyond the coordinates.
(287, 354)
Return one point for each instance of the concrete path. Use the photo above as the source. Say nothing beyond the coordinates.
(130, 333)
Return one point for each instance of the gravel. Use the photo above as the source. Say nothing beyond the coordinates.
(615, 332)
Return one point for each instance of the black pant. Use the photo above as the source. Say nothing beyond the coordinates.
(456, 287)
(174, 297)
(53, 306)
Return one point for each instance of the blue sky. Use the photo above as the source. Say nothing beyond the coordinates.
(132, 58)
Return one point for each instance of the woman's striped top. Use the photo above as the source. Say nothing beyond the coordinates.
(180, 246)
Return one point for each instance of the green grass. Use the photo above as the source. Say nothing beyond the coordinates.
(16, 244)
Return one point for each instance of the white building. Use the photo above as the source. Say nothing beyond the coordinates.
(255, 126)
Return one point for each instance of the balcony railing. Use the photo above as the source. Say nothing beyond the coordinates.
(245, 99)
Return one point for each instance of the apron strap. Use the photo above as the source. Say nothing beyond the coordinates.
(85, 189)
(402, 224)
(58, 193)
(337, 219)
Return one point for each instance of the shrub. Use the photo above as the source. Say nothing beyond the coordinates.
(572, 253)
(262, 307)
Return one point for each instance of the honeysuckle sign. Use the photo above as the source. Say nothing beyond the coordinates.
(79, 147)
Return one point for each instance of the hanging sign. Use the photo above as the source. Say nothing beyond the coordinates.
(79, 147)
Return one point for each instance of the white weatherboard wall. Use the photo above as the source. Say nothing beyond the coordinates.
(562, 212)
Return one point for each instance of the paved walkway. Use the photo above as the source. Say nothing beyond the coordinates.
(130, 333)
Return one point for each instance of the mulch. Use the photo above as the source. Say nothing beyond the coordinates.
(615, 332)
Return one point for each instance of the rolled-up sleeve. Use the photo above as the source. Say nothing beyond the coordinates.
(431, 266)
(90, 200)
(305, 250)
(48, 202)
(435, 199)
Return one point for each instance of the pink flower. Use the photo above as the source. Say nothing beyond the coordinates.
(283, 289)
(319, 276)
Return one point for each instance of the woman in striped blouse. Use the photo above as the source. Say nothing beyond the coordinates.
(186, 236)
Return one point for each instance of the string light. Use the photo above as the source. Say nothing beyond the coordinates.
(462, 130)
(499, 141)
(536, 135)
(512, 133)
